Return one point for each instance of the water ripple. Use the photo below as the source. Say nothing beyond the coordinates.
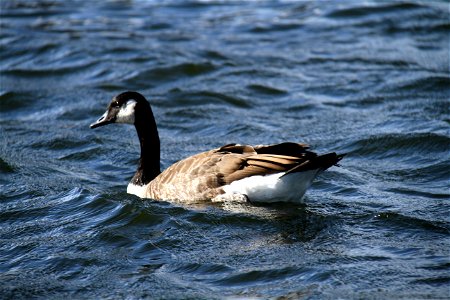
(369, 79)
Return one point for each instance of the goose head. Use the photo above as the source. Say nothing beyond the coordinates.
(133, 108)
(124, 108)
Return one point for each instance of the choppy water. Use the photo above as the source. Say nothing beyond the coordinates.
(368, 78)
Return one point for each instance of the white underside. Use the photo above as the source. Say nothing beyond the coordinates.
(270, 188)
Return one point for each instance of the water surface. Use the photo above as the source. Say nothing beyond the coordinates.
(367, 78)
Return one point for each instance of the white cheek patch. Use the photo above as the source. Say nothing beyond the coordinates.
(126, 112)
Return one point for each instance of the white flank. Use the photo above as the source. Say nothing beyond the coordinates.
(126, 112)
(138, 190)
(272, 188)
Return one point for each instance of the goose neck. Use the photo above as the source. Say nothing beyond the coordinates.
(149, 162)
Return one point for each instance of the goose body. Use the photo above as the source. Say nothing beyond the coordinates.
(264, 173)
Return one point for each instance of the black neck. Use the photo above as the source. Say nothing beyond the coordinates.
(150, 148)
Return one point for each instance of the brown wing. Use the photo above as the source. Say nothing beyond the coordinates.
(261, 160)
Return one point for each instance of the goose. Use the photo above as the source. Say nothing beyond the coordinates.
(234, 172)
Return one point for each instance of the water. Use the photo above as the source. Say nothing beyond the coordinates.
(368, 78)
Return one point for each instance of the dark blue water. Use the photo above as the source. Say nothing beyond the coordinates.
(368, 78)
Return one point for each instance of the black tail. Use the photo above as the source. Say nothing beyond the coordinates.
(322, 162)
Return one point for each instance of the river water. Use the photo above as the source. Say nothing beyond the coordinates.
(370, 78)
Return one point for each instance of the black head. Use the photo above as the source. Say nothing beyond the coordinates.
(122, 109)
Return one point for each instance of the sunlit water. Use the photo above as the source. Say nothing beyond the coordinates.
(368, 78)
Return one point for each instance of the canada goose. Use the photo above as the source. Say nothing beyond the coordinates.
(264, 173)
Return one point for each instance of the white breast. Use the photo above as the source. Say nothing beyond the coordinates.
(138, 190)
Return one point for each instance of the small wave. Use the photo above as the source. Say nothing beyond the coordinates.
(12, 100)
(364, 11)
(395, 18)
(45, 72)
(416, 192)
(434, 281)
(168, 73)
(214, 55)
(199, 269)
(270, 275)
(268, 90)
(439, 263)
(425, 84)
(31, 8)
(60, 143)
(188, 69)
(114, 87)
(82, 155)
(275, 27)
(436, 172)
(123, 217)
(358, 60)
(396, 220)
(206, 97)
(6, 167)
(388, 145)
